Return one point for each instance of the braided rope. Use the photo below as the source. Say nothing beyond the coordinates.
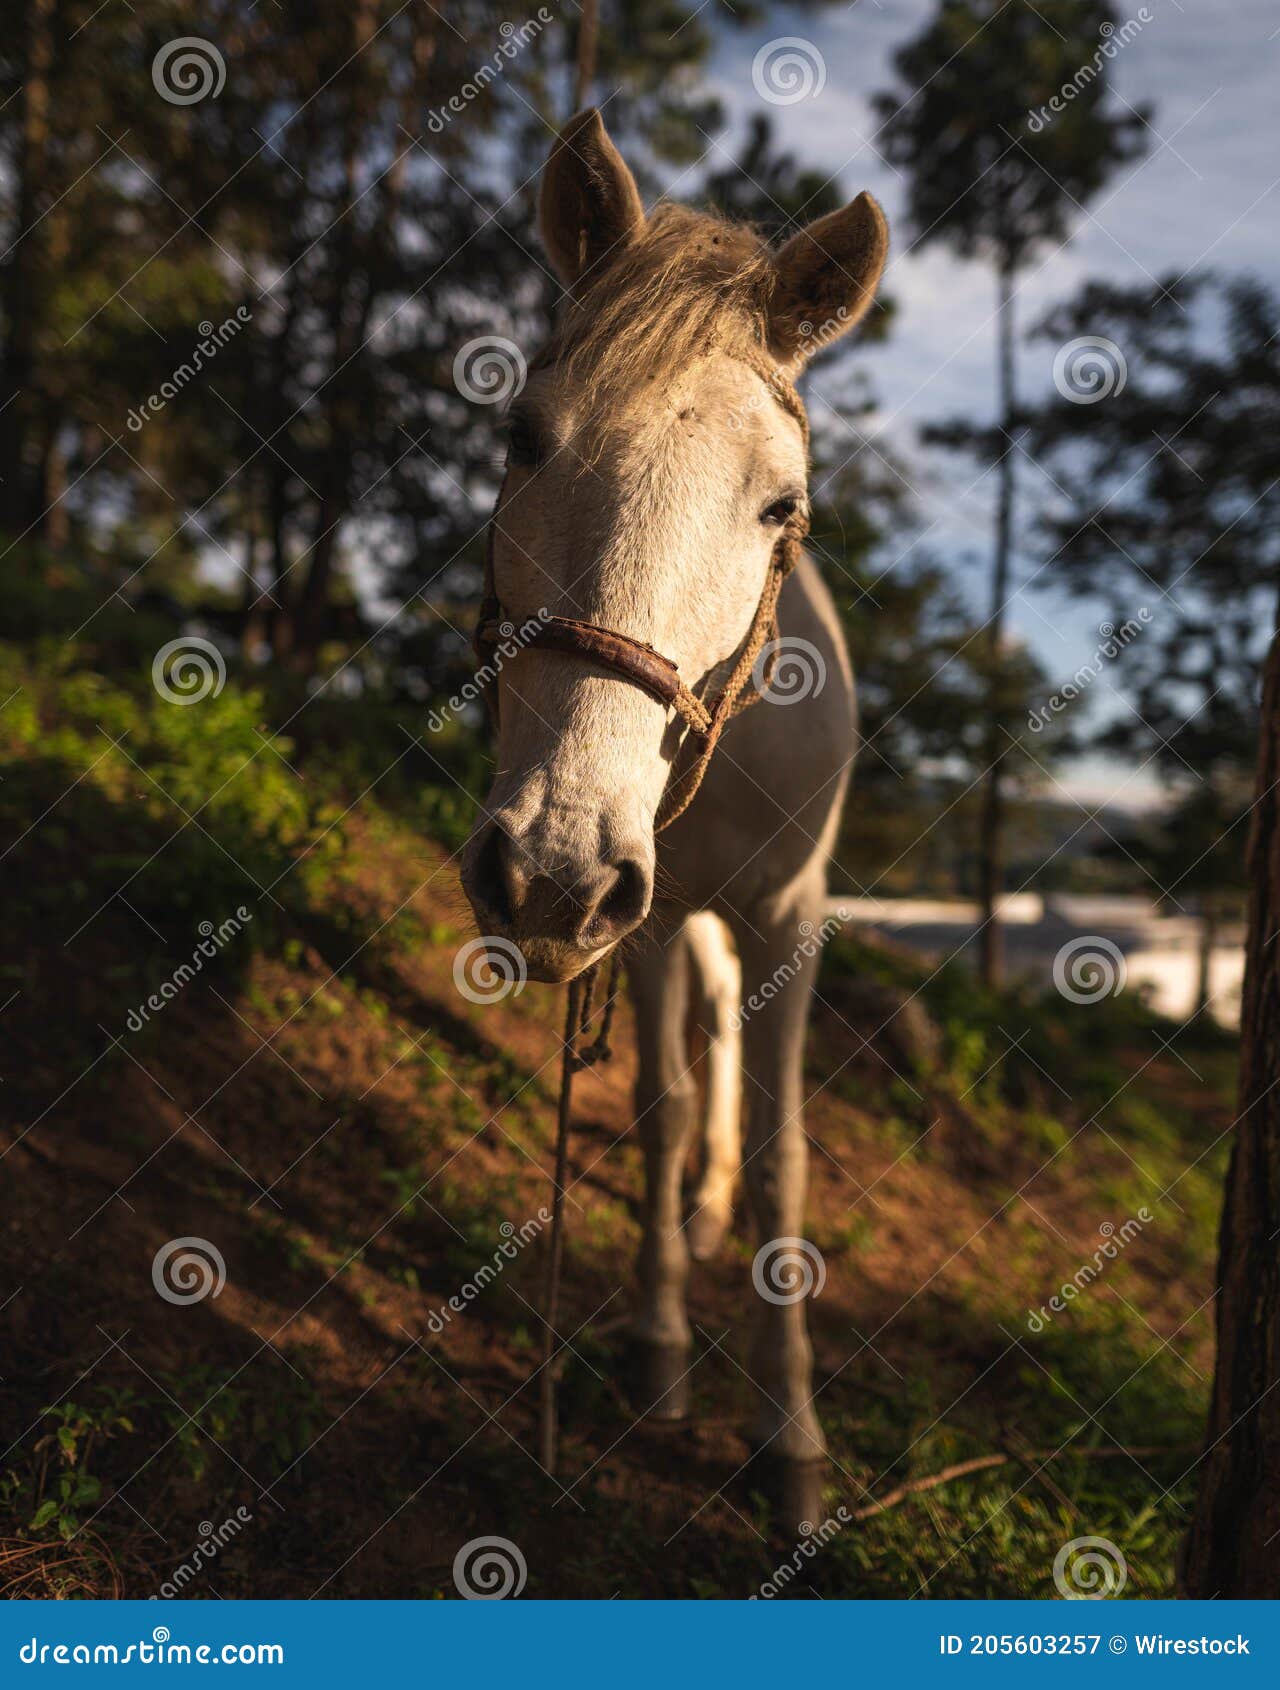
(734, 697)
(575, 1055)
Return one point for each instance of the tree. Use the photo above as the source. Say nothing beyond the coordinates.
(1193, 850)
(923, 681)
(1170, 501)
(1234, 1545)
(1166, 509)
(345, 175)
(996, 172)
(769, 188)
(75, 216)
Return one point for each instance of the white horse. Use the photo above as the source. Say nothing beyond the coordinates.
(651, 469)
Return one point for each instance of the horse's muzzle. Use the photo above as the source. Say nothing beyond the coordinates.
(562, 914)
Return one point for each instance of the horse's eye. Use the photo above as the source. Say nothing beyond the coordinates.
(522, 441)
(780, 511)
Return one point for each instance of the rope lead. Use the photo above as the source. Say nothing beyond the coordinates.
(575, 1055)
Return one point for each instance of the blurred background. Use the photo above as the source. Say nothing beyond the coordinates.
(264, 290)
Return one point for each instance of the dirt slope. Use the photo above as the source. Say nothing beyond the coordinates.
(353, 1136)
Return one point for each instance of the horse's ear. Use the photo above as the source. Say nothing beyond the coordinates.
(588, 206)
(826, 279)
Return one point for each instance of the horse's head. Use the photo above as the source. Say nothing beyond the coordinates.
(650, 470)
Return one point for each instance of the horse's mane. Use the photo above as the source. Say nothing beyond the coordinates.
(688, 281)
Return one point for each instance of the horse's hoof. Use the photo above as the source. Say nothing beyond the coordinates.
(793, 1490)
(661, 1380)
(705, 1231)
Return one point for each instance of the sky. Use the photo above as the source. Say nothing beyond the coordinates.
(1207, 194)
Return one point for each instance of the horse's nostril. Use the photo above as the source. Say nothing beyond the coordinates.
(490, 882)
(624, 902)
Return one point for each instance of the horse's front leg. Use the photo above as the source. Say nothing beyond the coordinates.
(779, 966)
(659, 972)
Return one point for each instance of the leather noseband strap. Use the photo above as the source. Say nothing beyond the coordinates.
(635, 661)
(630, 659)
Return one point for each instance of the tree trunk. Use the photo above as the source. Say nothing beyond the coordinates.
(348, 343)
(991, 837)
(1234, 1546)
(313, 601)
(53, 486)
(253, 623)
(588, 52)
(279, 619)
(279, 411)
(422, 55)
(21, 289)
(1208, 939)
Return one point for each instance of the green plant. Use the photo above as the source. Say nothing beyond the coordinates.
(62, 1488)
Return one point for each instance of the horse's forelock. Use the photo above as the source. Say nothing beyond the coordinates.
(690, 281)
